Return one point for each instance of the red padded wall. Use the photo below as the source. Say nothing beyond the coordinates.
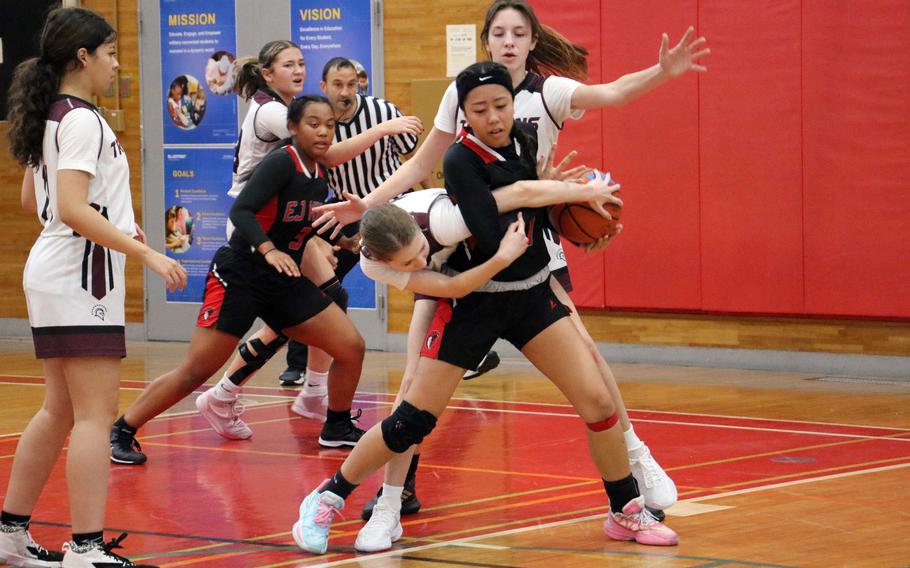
(581, 24)
(750, 152)
(651, 147)
(856, 88)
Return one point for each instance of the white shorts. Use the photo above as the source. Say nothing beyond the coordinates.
(75, 292)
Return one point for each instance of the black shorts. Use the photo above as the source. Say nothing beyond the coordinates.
(239, 289)
(464, 330)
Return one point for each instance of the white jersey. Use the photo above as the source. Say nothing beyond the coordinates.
(544, 103)
(441, 223)
(263, 129)
(68, 280)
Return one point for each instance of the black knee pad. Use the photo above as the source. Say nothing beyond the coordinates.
(334, 290)
(254, 362)
(406, 426)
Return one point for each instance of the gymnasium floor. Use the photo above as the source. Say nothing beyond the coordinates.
(773, 469)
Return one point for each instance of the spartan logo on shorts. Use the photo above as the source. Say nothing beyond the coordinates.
(208, 314)
(432, 338)
(99, 311)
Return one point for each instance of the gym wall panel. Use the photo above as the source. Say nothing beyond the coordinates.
(651, 147)
(856, 88)
(581, 24)
(750, 158)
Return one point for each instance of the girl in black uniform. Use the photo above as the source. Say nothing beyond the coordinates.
(258, 275)
(526, 312)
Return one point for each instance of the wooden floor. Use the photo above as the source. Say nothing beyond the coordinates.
(773, 469)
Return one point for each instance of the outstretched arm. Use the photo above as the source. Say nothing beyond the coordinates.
(352, 147)
(671, 64)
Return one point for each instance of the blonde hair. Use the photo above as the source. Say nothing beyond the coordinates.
(385, 230)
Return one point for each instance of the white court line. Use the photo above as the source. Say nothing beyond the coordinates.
(567, 415)
(472, 539)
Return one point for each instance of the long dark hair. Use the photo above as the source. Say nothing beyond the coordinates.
(37, 80)
(554, 53)
(248, 70)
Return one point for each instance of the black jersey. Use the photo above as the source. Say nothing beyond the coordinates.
(277, 203)
(472, 171)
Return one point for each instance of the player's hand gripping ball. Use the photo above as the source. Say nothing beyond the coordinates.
(581, 224)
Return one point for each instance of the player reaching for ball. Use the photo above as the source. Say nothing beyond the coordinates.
(535, 56)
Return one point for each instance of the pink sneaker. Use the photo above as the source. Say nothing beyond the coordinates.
(636, 523)
(223, 416)
(312, 402)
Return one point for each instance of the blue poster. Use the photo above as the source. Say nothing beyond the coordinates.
(196, 207)
(198, 48)
(338, 28)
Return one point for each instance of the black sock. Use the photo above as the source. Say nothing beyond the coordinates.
(81, 539)
(124, 427)
(17, 521)
(412, 470)
(621, 492)
(333, 416)
(339, 485)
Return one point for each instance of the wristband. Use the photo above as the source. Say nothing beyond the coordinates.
(268, 251)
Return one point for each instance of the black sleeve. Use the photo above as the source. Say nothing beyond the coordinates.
(269, 178)
(468, 182)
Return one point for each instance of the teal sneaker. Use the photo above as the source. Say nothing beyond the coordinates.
(317, 511)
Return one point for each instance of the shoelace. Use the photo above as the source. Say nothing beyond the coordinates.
(652, 473)
(383, 514)
(237, 408)
(355, 416)
(115, 543)
(325, 514)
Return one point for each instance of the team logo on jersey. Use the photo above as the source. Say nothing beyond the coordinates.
(99, 311)
(432, 338)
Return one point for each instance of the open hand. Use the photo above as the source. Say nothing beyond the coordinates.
(682, 58)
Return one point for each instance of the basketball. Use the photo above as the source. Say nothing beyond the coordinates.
(580, 224)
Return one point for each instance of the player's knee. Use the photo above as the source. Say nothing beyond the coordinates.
(256, 353)
(334, 290)
(597, 406)
(406, 426)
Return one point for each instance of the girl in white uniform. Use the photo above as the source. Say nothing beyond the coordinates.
(78, 184)
(514, 37)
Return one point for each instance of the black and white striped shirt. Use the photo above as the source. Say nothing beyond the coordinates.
(367, 171)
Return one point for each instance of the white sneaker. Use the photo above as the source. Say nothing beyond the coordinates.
(97, 555)
(312, 402)
(222, 416)
(654, 484)
(18, 548)
(383, 528)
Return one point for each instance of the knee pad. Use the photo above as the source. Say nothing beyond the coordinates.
(254, 362)
(334, 290)
(406, 426)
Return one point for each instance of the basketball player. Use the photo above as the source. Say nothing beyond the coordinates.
(78, 184)
(520, 306)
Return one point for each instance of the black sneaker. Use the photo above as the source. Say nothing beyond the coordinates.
(488, 363)
(125, 449)
(338, 434)
(99, 555)
(409, 502)
(292, 377)
(18, 548)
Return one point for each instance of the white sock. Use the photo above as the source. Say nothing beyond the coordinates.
(316, 379)
(632, 441)
(391, 495)
(225, 390)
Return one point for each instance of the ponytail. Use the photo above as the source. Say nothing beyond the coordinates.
(37, 80)
(248, 70)
(554, 54)
(247, 78)
(30, 95)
